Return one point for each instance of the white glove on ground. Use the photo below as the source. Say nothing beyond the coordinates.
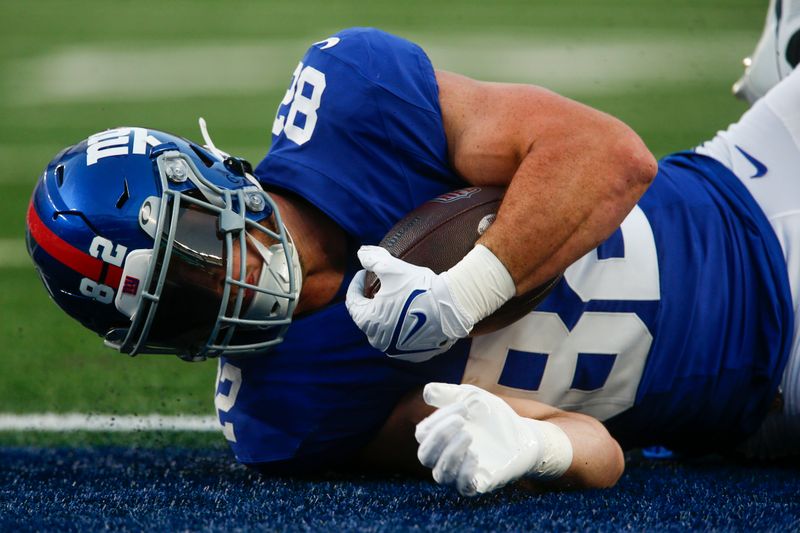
(477, 443)
(413, 316)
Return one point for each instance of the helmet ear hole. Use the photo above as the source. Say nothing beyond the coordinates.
(275, 308)
(59, 172)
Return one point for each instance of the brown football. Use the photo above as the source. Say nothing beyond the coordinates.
(440, 232)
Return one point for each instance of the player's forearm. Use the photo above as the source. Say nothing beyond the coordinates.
(573, 188)
(597, 459)
(573, 173)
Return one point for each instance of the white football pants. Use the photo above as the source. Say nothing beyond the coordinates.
(763, 151)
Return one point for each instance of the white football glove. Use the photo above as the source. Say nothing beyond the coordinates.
(413, 316)
(477, 443)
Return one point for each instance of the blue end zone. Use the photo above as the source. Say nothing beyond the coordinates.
(178, 489)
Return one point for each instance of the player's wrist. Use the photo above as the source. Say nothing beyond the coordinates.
(550, 448)
(479, 285)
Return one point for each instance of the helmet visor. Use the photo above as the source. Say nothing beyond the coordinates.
(198, 287)
(212, 276)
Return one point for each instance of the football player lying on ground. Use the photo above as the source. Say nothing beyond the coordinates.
(673, 323)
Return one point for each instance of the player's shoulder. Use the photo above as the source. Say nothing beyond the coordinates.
(361, 41)
(374, 54)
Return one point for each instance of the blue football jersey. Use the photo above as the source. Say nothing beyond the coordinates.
(674, 331)
(359, 133)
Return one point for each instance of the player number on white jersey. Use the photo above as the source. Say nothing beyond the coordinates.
(298, 102)
(634, 277)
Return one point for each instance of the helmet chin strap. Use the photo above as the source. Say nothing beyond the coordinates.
(274, 277)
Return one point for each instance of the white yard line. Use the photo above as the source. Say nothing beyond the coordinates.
(119, 73)
(103, 422)
(589, 64)
(594, 63)
(13, 254)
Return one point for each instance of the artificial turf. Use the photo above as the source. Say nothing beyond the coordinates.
(167, 489)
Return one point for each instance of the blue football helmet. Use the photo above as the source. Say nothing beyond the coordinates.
(163, 246)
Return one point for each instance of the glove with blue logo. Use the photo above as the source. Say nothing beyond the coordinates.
(414, 315)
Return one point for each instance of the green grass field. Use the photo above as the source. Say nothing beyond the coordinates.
(69, 69)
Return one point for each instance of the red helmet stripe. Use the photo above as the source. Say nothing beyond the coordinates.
(113, 276)
(80, 262)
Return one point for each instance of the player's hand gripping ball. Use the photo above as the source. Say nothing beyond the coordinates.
(413, 317)
(440, 232)
(403, 301)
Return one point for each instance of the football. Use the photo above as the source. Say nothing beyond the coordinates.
(440, 232)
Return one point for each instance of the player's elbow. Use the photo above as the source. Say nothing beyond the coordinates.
(628, 170)
(598, 461)
(637, 167)
(643, 166)
(615, 468)
(610, 464)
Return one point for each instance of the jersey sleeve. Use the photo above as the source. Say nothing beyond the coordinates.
(359, 132)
